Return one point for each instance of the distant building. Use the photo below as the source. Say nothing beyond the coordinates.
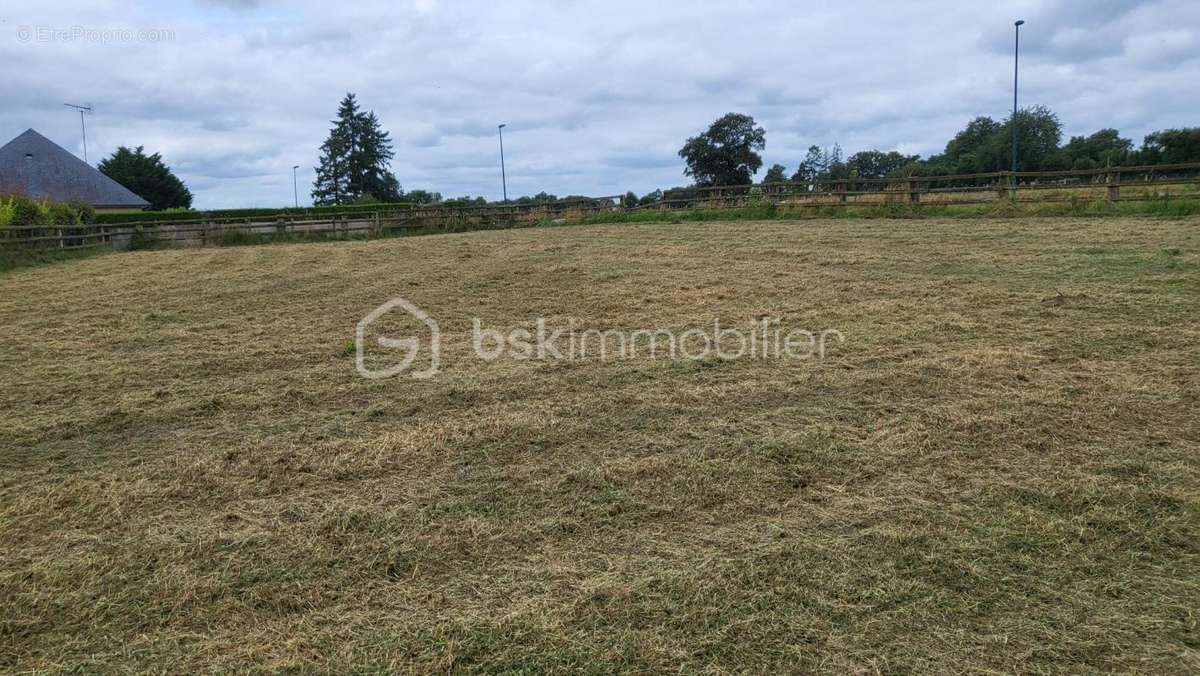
(33, 165)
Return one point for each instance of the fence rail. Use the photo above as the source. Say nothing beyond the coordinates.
(201, 231)
(1110, 184)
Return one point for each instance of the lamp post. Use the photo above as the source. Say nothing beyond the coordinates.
(1016, 55)
(503, 178)
(295, 190)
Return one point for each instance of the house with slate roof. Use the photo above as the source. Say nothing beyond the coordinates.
(33, 165)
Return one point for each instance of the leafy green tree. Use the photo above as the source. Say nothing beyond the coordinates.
(465, 201)
(986, 145)
(1171, 146)
(810, 168)
(629, 199)
(935, 165)
(422, 197)
(962, 154)
(727, 153)
(877, 164)
(1038, 134)
(821, 165)
(1103, 148)
(148, 177)
(835, 166)
(355, 159)
(776, 174)
(540, 198)
(651, 197)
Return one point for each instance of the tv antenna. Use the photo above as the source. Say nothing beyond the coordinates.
(82, 110)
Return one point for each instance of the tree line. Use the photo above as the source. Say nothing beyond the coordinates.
(354, 162)
(727, 153)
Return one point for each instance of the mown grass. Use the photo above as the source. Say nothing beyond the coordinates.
(16, 260)
(997, 471)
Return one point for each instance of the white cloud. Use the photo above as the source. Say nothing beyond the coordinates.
(597, 96)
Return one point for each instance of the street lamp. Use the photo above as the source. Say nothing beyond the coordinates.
(295, 191)
(1016, 55)
(503, 178)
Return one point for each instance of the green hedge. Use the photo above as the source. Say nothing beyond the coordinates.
(175, 215)
(21, 210)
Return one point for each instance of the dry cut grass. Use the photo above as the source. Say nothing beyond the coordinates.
(996, 471)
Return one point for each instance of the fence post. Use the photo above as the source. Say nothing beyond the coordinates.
(914, 196)
(1114, 186)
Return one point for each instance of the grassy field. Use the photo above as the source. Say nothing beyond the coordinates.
(998, 470)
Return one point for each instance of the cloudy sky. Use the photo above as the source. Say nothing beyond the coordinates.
(598, 96)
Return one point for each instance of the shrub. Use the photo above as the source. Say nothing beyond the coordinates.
(83, 212)
(8, 210)
(25, 211)
(21, 210)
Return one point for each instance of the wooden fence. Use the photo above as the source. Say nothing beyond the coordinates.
(202, 231)
(1110, 184)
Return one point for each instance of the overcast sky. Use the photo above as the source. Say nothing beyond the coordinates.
(598, 96)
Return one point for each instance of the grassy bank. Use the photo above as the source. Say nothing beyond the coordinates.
(1169, 208)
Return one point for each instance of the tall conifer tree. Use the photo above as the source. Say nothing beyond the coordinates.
(355, 159)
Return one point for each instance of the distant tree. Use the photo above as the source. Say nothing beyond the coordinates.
(983, 146)
(371, 160)
(962, 154)
(1038, 134)
(422, 197)
(1103, 148)
(332, 183)
(986, 145)
(355, 159)
(776, 174)
(810, 168)
(651, 197)
(835, 166)
(1171, 146)
(680, 195)
(821, 165)
(540, 198)
(877, 164)
(465, 201)
(147, 177)
(726, 154)
(629, 199)
(935, 165)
